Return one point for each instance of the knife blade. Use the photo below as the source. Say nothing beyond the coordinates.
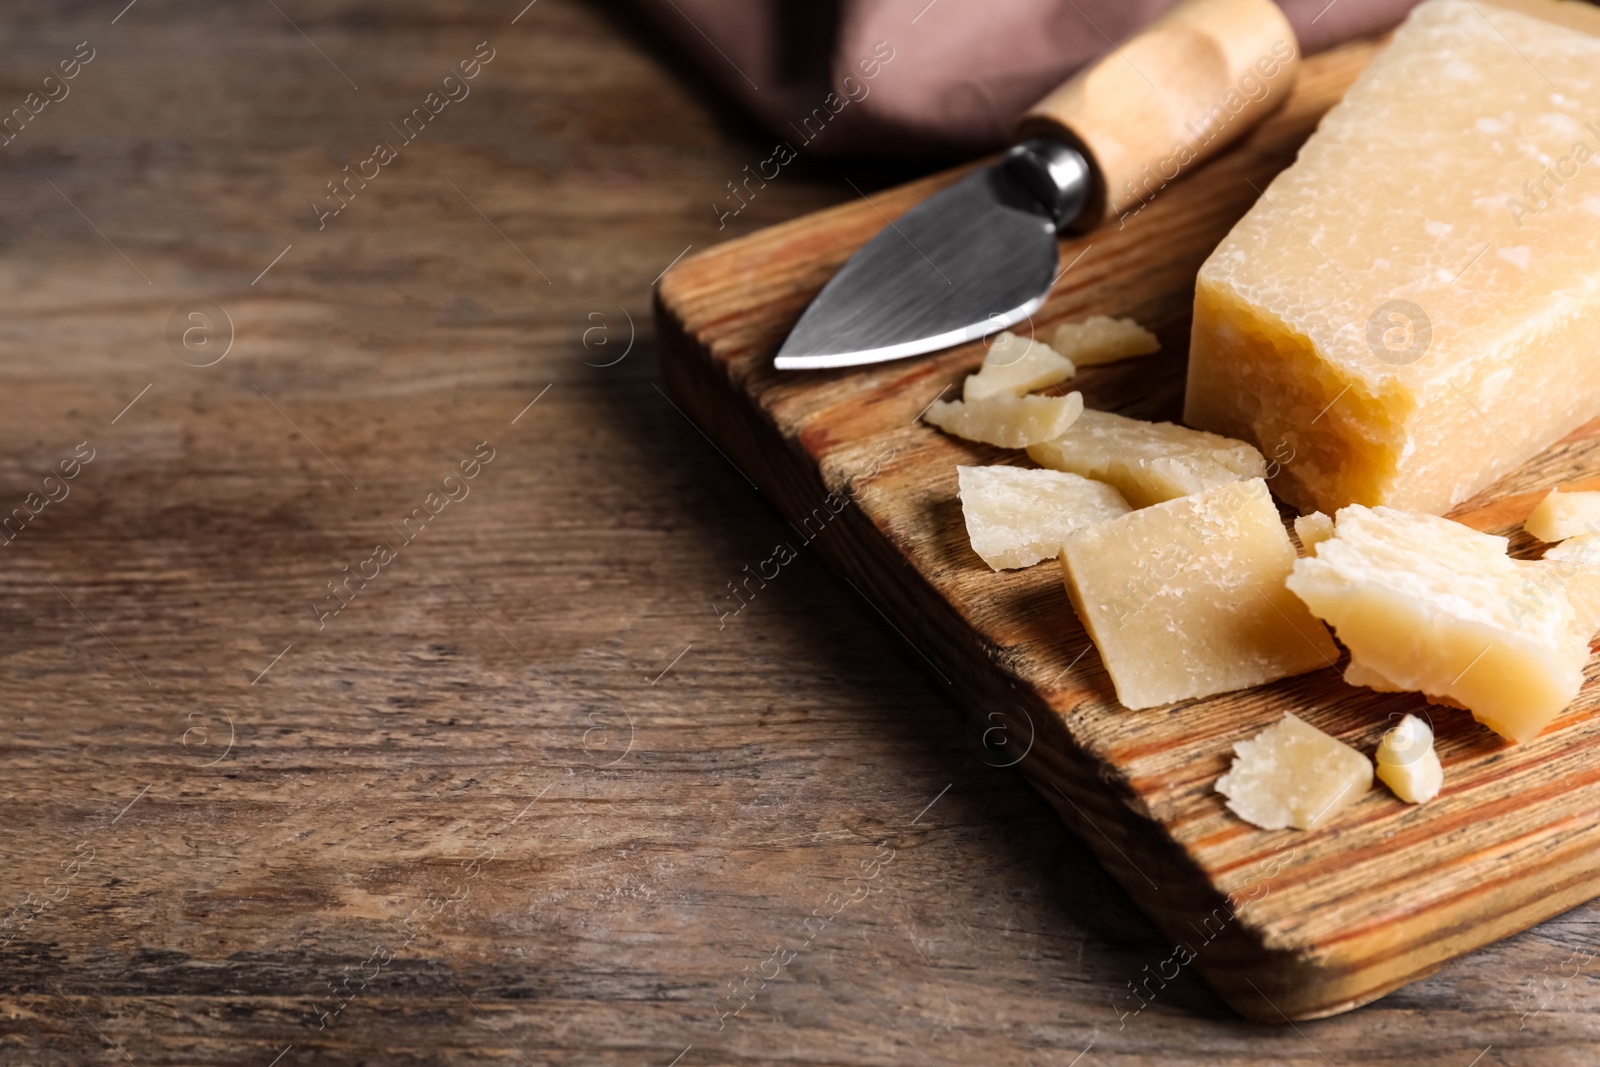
(982, 255)
(975, 258)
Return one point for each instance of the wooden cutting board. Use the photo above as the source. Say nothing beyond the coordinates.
(1284, 925)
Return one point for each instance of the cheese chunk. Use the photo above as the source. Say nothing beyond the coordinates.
(1148, 462)
(1006, 420)
(1186, 598)
(1428, 605)
(1017, 516)
(1099, 339)
(1413, 305)
(1407, 763)
(1293, 774)
(1563, 515)
(1016, 365)
(1312, 530)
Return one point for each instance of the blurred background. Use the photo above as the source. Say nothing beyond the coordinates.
(516, 793)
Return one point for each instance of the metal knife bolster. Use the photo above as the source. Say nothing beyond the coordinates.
(1056, 173)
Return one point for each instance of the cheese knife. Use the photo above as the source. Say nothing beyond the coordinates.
(982, 255)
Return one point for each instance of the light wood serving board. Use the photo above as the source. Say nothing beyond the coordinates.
(1319, 922)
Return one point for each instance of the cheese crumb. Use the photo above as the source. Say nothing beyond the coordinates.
(1407, 763)
(1313, 529)
(1006, 420)
(1293, 774)
(1563, 515)
(1148, 462)
(1186, 598)
(1099, 339)
(1017, 516)
(1016, 365)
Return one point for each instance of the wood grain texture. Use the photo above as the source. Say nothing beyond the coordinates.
(1293, 925)
(229, 886)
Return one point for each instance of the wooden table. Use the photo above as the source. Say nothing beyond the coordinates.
(523, 796)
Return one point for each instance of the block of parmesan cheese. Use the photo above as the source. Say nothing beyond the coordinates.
(1186, 598)
(1413, 305)
(1017, 516)
(1428, 605)
(1016, 365)
(1148, 462)
(1293, 774)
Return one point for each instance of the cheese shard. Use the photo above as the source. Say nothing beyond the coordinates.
(1293, 774)
(1016, 365)
(1563, 515)
(1099, 339)
(1584, 548)
(1412, 306)
(1017, 516)
(1148, 462)
(1575, 565)
(1312, 530)
(1186, 598)
(1407, 763)
(1428, 605)
(1006, 420)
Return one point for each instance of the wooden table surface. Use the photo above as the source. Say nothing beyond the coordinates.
(515, 793)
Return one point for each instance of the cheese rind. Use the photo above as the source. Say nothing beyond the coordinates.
(1005, 420)
(1100, 339)
(1398, 307)
(1429, 605)
(1562, 515)
(1014, 366)
(1148, 462)
(1293, 774)
(1186, 598)
(1017, 516)
(1407, 763)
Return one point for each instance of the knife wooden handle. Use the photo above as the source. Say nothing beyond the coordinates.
(1160, 103)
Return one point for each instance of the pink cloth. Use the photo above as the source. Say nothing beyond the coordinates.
(914, 77)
